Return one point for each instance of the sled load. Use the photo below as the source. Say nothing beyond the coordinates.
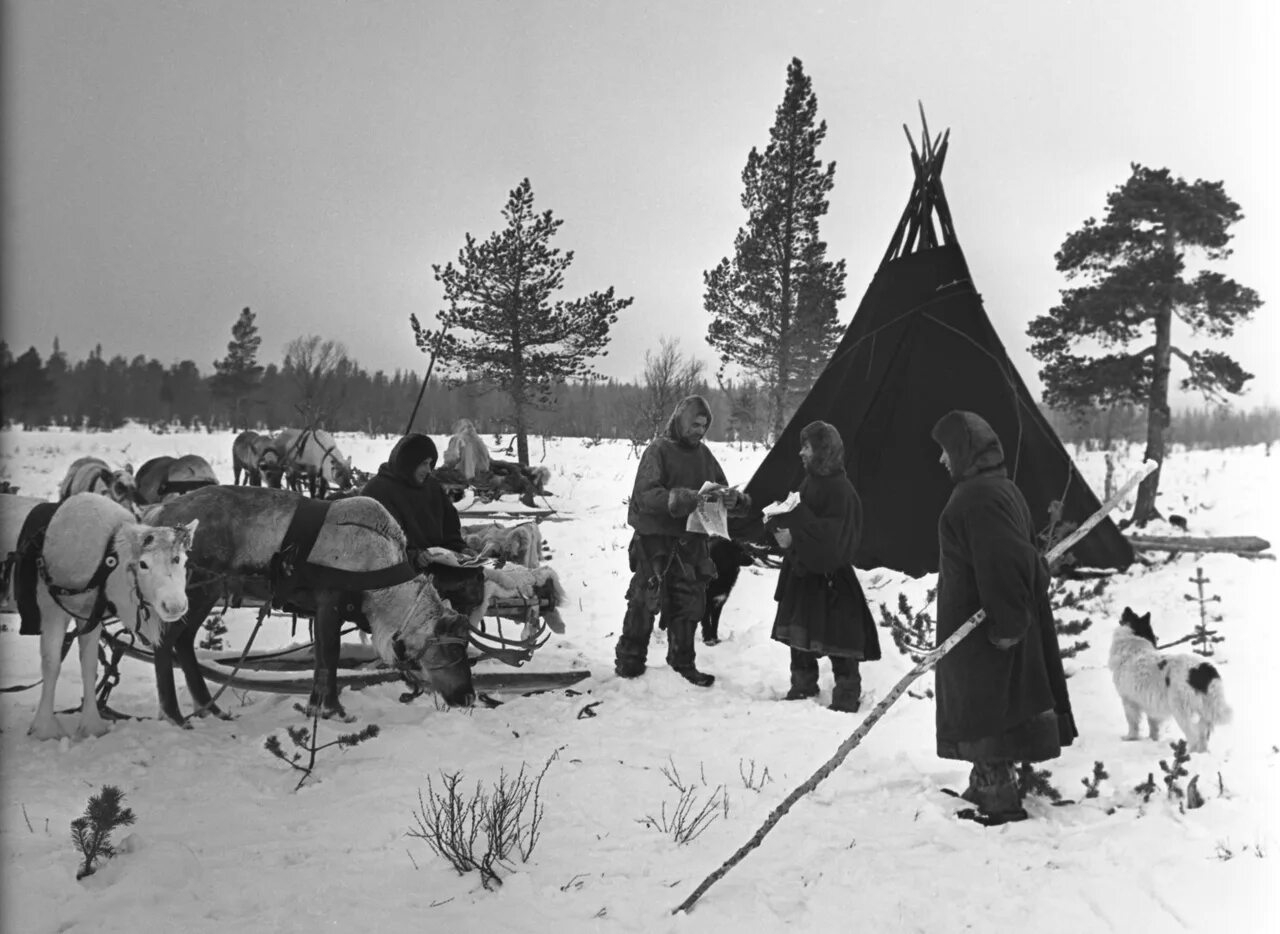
(469, 472)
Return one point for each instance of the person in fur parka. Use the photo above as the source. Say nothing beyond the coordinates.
(415, 499)
(1001, 693)
(670, 566)
(406, 486)
(821, 607)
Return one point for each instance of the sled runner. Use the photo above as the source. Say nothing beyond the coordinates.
(289, 670)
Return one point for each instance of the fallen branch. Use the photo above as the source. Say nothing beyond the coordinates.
(898, 690)
(1233, 544)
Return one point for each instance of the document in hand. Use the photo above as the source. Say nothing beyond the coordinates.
(711, 517)
(785, 506)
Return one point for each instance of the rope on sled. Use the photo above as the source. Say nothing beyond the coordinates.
(898, 690)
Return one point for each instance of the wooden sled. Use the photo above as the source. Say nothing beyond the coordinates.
(488, 511)
(478, 499)
(289, 671)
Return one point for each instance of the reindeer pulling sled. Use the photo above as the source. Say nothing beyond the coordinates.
(330, 563)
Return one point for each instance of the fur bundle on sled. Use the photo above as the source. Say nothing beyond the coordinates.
(521, 544)
(530, 585)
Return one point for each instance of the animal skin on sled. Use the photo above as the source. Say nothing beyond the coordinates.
(521, 543)
(466, 452)
(92, 475)
(530, 585)
(162, 478)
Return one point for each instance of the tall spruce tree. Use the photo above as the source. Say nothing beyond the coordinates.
(773, 304)
(1134, 266)
(518, 340)
(237, 375)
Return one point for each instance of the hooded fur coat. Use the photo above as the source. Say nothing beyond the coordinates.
(424, 510)
(994, 703)
(676, 460)
(821, 607)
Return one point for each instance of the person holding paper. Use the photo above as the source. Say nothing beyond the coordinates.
(669, 556)
(821, 608)
(406, 485)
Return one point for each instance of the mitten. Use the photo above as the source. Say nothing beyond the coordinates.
(737, 502)
(681, 501)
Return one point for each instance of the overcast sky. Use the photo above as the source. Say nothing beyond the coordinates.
(169, 163)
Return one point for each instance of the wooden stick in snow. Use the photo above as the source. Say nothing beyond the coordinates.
(1232, 544)
(898, 690)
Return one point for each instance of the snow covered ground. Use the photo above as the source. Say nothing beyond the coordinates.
(222, 842)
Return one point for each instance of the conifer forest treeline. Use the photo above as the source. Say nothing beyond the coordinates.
(101, 393)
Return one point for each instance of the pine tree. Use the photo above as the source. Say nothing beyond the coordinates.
(773, 304)
(28, 390)
(518, 340)
(237, 374)
(1133, 266)
(91, 832)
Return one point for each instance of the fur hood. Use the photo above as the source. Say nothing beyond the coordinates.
(828, 449)
(686, 410)
(971, 444)
(409, 452)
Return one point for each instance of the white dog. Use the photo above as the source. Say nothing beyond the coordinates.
(1182, 686)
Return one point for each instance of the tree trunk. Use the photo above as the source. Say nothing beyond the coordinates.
(519, 407)
(777, 398)
(1158, 417)
(522, 433)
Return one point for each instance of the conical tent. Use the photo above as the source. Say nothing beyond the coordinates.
(920, 345)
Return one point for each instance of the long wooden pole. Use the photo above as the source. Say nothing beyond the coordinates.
(435, 350)
(898, 690)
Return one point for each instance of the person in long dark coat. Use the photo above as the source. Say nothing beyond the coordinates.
(417, 501)
(1001, 692)
(821, 607)
(670, 566)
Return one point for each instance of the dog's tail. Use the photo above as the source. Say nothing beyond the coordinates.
(1216, 703)
(1205, 678)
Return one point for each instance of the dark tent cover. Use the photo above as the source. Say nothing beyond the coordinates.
(919, 345)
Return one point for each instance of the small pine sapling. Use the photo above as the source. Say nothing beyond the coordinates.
(215, 628)
(1092, 782)
(1175, 772)
(1069, 614)
(912, 631)
(1147, 788)
(1054, 532)
(1204, 638)
(307, 741)
(91, 833)
(1036, 782)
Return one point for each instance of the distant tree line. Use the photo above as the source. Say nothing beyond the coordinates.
(100, 393)
(318, 385)
(1205, 427)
